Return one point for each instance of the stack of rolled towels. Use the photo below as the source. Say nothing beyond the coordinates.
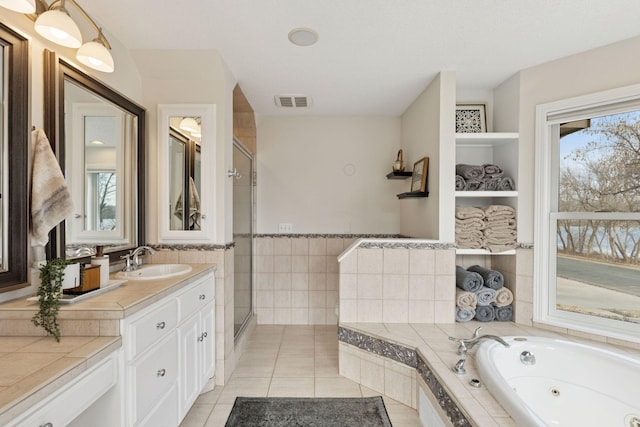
(481, 295)
(491, 227)
(487, 177)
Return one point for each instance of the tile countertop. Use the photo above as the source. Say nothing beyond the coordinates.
(432, 341)
(129, 298)
(32, 367)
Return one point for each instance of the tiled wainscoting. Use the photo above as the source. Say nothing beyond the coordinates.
(297, 278)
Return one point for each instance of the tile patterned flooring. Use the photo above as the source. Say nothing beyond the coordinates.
(292, 361)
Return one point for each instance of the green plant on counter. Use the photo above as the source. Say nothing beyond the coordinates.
(49, 293)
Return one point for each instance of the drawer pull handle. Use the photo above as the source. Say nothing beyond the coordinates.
(161, 372)
(201, 338)
(203, 296)
(160, 325)
(205, 334)
(47, 425)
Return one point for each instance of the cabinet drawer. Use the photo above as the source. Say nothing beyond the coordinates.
(151, 327)
(196, 297)
(153, 374)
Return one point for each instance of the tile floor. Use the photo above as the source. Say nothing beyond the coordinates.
(293, 361)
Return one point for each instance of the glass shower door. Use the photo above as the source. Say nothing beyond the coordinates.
(242, 236)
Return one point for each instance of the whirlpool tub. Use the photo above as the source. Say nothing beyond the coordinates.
(553, 382)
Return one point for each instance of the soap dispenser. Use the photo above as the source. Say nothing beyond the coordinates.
(103, 261)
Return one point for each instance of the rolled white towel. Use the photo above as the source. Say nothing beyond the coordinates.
(504, 297)
(466, 299)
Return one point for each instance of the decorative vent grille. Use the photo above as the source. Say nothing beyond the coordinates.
(293, 101)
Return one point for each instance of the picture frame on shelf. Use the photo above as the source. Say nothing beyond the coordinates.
(419, 175)
(471, 118)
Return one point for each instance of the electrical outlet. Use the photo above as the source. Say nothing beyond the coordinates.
(285, 228)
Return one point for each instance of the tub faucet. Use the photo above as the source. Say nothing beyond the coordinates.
(131, 259)
(467, 344)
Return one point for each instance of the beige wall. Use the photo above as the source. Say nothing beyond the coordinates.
(327, 174)
(427, 127)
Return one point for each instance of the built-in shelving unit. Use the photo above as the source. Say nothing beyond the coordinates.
(500, 148)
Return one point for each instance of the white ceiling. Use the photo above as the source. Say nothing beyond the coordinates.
(373, 56)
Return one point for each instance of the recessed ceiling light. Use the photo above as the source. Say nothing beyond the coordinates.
(303, 36)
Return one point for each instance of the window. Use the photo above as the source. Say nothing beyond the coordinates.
(588, 213)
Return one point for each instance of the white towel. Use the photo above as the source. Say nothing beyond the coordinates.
(51, 200)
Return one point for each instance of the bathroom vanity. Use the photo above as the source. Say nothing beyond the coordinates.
(151, 354)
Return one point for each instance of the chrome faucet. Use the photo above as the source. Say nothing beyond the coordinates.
(131, 259)
(467, 344)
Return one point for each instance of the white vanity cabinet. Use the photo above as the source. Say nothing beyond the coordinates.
(169, 350)
(72, 399)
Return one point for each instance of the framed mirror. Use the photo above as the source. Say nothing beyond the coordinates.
(100, 146)
(14, 144)
(186, 136)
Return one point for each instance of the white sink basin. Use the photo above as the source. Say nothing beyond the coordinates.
(154, 271)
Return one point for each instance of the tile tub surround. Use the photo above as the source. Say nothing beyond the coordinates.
(397, 281)
(32, 368)
(365, 346)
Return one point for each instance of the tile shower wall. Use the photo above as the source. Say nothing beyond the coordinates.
(398, 285)
(297, 279)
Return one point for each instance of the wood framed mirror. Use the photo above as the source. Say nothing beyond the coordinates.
(14, 144)
(99, 136)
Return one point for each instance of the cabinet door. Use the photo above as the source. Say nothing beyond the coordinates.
(189, 338)
(208, 344)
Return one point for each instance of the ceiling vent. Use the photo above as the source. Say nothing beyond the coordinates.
(293, 101)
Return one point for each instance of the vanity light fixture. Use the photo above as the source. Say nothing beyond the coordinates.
(54, 23)
(22, 6)
(57, 26)
(198, 133)
(189, 124)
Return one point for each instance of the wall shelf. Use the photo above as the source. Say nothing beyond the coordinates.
(399, 175)
(413, 194)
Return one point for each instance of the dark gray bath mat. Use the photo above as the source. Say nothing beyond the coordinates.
(308, 412)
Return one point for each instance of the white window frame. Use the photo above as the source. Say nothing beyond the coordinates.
(549, 116)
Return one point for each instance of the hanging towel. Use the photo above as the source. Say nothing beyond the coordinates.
(464, 314)
(504, 314)
(485, 313)
(492, 278)
(468, 280)
(194, 206)
(485, 295)
(465, 299)
(504, 297)
(51, 199)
